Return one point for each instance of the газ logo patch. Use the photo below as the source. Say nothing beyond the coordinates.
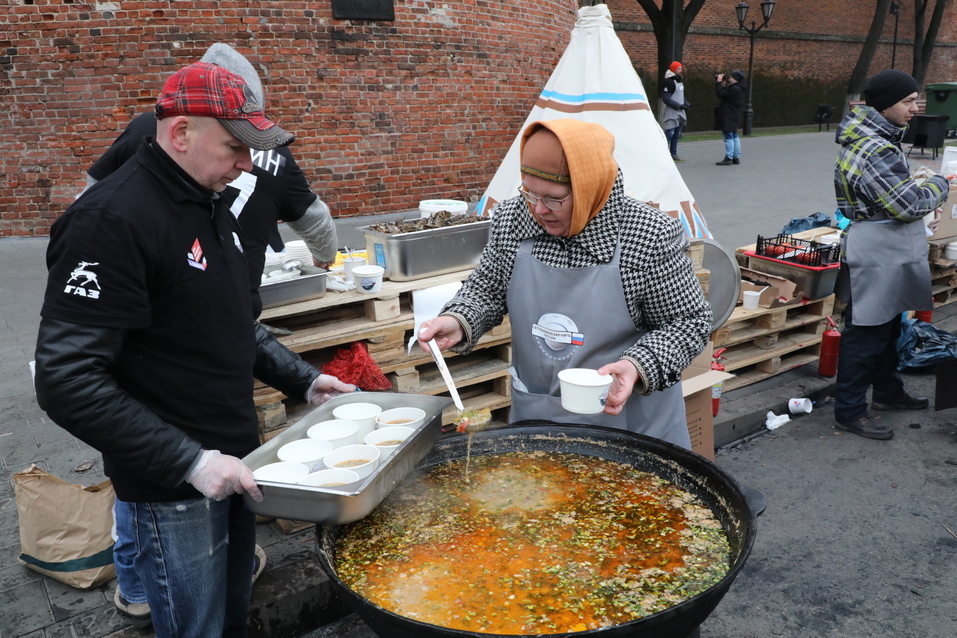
(84, 276)
(195, 256)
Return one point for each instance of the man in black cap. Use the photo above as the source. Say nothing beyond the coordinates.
(730, 89)
(884, 269)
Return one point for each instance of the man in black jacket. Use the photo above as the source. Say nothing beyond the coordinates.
(148, 348)
(730, 90)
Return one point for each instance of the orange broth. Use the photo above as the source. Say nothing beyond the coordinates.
(535, 543)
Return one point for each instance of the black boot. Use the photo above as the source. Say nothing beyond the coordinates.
(725, 162)
(736, 161)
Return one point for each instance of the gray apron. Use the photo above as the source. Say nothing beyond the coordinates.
(578, 318)
(888, 269)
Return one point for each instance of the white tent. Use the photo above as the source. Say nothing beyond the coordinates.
(595, 82)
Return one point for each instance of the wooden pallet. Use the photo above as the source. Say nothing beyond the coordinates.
(762, 327)
(751, 364)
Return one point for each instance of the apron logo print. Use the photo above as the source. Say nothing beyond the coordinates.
(557, 336)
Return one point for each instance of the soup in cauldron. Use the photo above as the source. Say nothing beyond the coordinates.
(536, 543)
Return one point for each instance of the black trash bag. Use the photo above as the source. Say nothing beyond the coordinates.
(921, 345)
(800, 224)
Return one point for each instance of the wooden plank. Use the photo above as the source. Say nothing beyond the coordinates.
(753, 376)
(389, 290)
(748, 325)
(749, 355)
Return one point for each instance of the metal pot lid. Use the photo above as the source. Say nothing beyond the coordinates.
(724, 285)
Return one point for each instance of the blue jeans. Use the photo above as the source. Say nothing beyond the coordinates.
(867, 357)
(195, 559)
(732, 144)
(673, 135)
(124, 551)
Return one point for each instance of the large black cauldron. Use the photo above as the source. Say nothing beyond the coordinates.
(692, 472)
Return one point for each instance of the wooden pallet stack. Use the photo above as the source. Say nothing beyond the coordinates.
(943, 272)
(384, 322)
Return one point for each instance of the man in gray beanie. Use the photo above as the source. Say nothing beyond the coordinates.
(884, 269)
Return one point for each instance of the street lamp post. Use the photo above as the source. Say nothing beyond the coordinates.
(767, 7)
(895, 11)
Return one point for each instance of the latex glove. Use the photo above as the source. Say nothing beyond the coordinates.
(445, 330)
(219, 475)
(625, 375)
(934, 223)
(325, 387)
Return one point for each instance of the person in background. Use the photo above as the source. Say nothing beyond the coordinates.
(884, 269)
(730, 89)
(274, 190)
(590, 278)
(673, 116)
(147, 348)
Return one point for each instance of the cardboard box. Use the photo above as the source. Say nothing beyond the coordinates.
(778, 291)
(696, 383)
(948, 219)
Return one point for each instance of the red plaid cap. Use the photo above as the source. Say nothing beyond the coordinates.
(207, 90)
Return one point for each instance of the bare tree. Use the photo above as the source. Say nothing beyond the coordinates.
(670, 22)
(859, 75)
(924, 43)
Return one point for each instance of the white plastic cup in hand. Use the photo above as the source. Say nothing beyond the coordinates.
(361, 459)
(348, 264)
(339, 432)
(281, 472)
(583, 390)
(362, 413)
(800, 406)
(389, 439)
(751, 299)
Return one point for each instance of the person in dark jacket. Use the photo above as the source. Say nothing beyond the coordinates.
(730, 89)
(147, 348)
(884, 269)
(673, 107)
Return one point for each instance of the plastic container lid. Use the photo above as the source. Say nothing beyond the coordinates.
(454, 206)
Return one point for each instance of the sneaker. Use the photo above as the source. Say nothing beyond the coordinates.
(736, 161)
(868, 427)
(725, 162)
(259, 563)
(139, 613)
(902, 402)
(676, 159)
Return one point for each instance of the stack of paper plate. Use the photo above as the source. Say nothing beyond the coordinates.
(297, 250)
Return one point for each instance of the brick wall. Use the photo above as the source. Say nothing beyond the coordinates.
(387, 113)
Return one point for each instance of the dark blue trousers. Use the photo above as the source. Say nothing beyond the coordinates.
(867, 358)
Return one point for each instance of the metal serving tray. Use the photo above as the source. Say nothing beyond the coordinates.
(345, 503)
(427, 253)
(311, 284)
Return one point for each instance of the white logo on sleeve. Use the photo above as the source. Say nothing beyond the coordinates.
(83, 277)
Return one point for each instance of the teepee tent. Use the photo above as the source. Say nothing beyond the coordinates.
(594, 81)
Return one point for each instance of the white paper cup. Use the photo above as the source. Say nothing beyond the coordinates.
(362, 413)
(361, 459)
(584, 390)
(282, 472)
(308, 451)
(388, 439)
(800, 406)
(409, 417)
(339, 432)
(368, 279)
(330, 478)
(750, 299)
(349, 263)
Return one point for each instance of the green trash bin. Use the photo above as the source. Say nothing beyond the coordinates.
(942, 100)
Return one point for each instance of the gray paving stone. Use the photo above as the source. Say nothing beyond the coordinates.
(25, 608)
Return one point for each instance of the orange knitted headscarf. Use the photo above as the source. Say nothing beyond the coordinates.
(583, 155)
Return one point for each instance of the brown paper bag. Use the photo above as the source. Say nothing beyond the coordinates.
(65, 528)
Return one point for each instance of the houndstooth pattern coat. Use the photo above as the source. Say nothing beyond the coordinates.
(658, 280)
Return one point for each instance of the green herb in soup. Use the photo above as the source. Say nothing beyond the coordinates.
(536, 543)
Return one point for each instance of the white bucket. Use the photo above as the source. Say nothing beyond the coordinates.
(429, 207)
(583, 390)
(368, 279)
(951, 251)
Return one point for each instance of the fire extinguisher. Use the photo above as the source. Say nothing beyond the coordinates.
(716, 388)
(830, 345)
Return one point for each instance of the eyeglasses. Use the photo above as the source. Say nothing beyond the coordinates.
(550, 202)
